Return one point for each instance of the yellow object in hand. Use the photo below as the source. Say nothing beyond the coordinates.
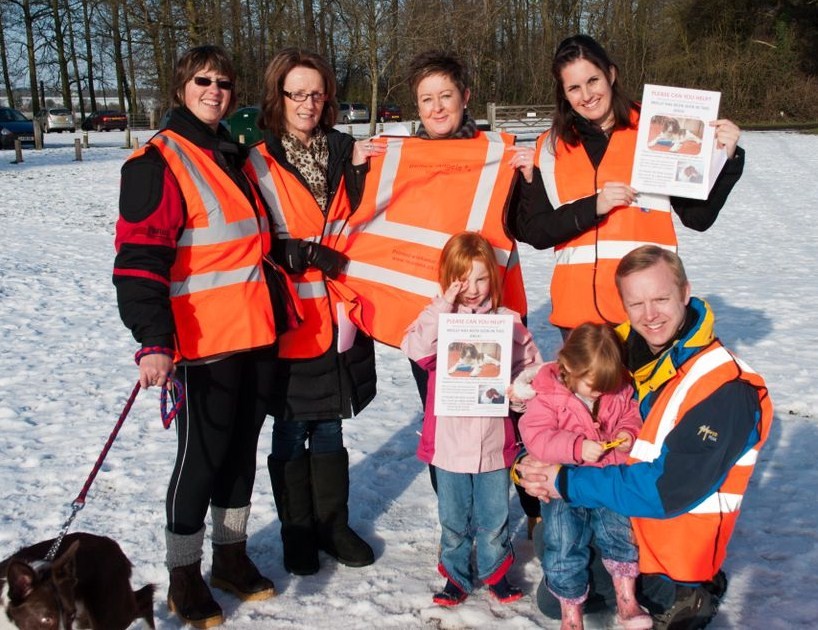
(613, 443)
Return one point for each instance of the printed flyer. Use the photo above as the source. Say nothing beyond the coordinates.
(676, 152)
(473, 364)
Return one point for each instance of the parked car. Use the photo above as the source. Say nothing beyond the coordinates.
(105, 120)
(388, 112)
(243, 122)
(352, 113)
(14, 125)
(56, 119)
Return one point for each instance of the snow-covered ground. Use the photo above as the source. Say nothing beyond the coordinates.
(66, 369)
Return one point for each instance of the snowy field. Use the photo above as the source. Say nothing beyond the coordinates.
(66, 369)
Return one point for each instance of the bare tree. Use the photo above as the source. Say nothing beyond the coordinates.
(4, 60)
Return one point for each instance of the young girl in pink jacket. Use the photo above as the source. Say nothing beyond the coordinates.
(471, 456)
(583, 413)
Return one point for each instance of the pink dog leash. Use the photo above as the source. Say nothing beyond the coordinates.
(167, 418)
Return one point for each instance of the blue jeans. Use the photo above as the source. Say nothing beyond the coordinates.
(290, 438)
(473, 509)
(567, 533)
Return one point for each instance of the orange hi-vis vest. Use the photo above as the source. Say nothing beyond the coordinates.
(218, 293)
(296, 214)
(582, 285)
(417, 195)
(692, 547)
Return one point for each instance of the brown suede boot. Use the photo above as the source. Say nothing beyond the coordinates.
(191, 599)
(233, 571)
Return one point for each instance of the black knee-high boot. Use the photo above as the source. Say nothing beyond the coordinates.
(292, 491)
(330, 493)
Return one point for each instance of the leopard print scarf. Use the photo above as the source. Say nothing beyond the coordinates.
(311, 161)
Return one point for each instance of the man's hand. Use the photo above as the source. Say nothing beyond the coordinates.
(538, 478)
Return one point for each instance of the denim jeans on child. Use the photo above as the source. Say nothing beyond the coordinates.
(473, 509)
(290, 437)
(567, 535)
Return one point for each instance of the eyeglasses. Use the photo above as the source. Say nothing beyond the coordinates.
(300, 97)
(223, 84)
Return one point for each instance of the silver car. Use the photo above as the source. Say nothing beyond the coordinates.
(56, 119)
(352, 113)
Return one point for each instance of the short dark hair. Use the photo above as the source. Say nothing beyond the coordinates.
(197, 59)
(431, 62)
(570, 50)
(272, 96)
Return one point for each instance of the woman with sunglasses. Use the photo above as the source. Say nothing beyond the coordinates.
(311, 177)
(190, 239)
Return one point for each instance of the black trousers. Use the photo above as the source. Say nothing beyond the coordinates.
(217, 433)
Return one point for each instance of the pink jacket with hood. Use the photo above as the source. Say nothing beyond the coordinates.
(556, 421)
(464, 444)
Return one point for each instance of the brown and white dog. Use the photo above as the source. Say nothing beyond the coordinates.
(86, 586)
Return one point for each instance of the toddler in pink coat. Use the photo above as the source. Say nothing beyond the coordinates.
(581, 411)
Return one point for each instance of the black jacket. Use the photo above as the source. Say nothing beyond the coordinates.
(332, 386)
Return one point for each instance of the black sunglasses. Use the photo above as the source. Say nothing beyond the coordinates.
(223, 84)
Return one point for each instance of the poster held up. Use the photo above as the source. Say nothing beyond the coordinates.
(676, 151)
(473, 364)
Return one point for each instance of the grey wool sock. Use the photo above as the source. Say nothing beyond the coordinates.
(229, 524)
(183, 550)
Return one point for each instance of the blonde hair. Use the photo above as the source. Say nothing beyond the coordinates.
(593, 352)
(456, 262)
(648, 256)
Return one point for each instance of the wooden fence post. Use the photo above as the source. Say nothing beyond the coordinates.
(18, 151)
(38, 135)
(77, 150)
(85, 139)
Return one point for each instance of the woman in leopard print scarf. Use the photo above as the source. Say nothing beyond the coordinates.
(304, 168)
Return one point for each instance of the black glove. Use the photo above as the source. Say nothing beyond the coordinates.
(325, 258)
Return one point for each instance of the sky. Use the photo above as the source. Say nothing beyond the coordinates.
(66, 370)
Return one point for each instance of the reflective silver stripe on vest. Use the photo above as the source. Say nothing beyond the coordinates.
(397, 279)
(485, 185)
(308, 290)
(647, 452)
(546, 160)
(214, 280)
(612, 250)
(270, 193)
(719, 503)
(218, 230)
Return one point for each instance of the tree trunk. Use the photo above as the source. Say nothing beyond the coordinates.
(89, 61)
(74, 63)
(32, 62)
(5, 63)
(62, 61)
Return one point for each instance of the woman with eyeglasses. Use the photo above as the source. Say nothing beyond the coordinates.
(190, 284)
(312, 177)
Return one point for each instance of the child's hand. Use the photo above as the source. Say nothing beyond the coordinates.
(591, 451)
(515, 403)
(455, 288)
(627, 442)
